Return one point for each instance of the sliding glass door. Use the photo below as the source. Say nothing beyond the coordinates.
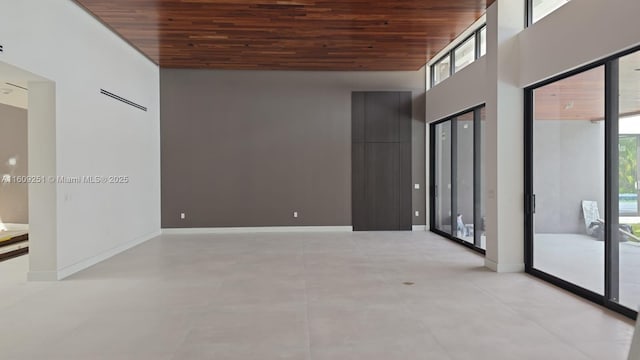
(480, 192)
(582, 150)
(442, 185)
(628, 235)
(457, 211)
(568, 179)
(464, 177)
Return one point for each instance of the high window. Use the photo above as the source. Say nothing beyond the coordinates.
(537, 9)
(466, 51)
(482, 36)
(442, 69)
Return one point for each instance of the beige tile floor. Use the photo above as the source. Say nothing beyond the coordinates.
(301, 296)
(579, 259)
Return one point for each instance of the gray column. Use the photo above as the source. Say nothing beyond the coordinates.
(42, 196)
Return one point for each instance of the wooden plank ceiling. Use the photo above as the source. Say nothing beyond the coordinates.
(582, 96)
(288, 34)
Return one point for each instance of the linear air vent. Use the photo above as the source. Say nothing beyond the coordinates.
(17, 86)
(119, 98)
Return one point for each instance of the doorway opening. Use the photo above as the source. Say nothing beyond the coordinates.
(28, 248)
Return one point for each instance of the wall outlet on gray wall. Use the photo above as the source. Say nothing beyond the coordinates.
(417, 213)
(416, 186)
(295, 214)
(183, 216)
(319, 103)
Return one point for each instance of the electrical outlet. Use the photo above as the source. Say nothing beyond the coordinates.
(183, 216)
(295, 214)
(416, 186)
(1, 48)
(417, 213)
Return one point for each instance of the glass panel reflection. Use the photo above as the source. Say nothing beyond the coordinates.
(628, 155)
(464, 178)
(568, 171)
(542, 8)
(441, 70)
(443, 177)
(465, 54)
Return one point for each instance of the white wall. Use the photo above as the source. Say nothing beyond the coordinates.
(95, 135)
(577, 34)
(504, 145)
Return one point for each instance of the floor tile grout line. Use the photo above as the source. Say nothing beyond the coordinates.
(422, 322)
(389, 260)
(553, 333)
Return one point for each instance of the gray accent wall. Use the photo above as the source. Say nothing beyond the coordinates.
(248, 148)
(568, 168)
(13, 144)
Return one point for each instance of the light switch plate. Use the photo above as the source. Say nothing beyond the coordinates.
(416, 186)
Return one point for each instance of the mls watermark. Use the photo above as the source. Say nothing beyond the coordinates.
(12, 179)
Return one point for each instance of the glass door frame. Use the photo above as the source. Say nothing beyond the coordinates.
(477, 185)
(611, 218)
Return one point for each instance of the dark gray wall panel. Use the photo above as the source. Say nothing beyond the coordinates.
(404, 120)
(358, 202)
(381, 117)
(357, 117)
(247, 148)
(385, 200)
(382, 185)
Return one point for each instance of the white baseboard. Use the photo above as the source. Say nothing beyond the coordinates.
(503, 268)
(42, 276)
(267, 229)
(84, 264)
(419, 228)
